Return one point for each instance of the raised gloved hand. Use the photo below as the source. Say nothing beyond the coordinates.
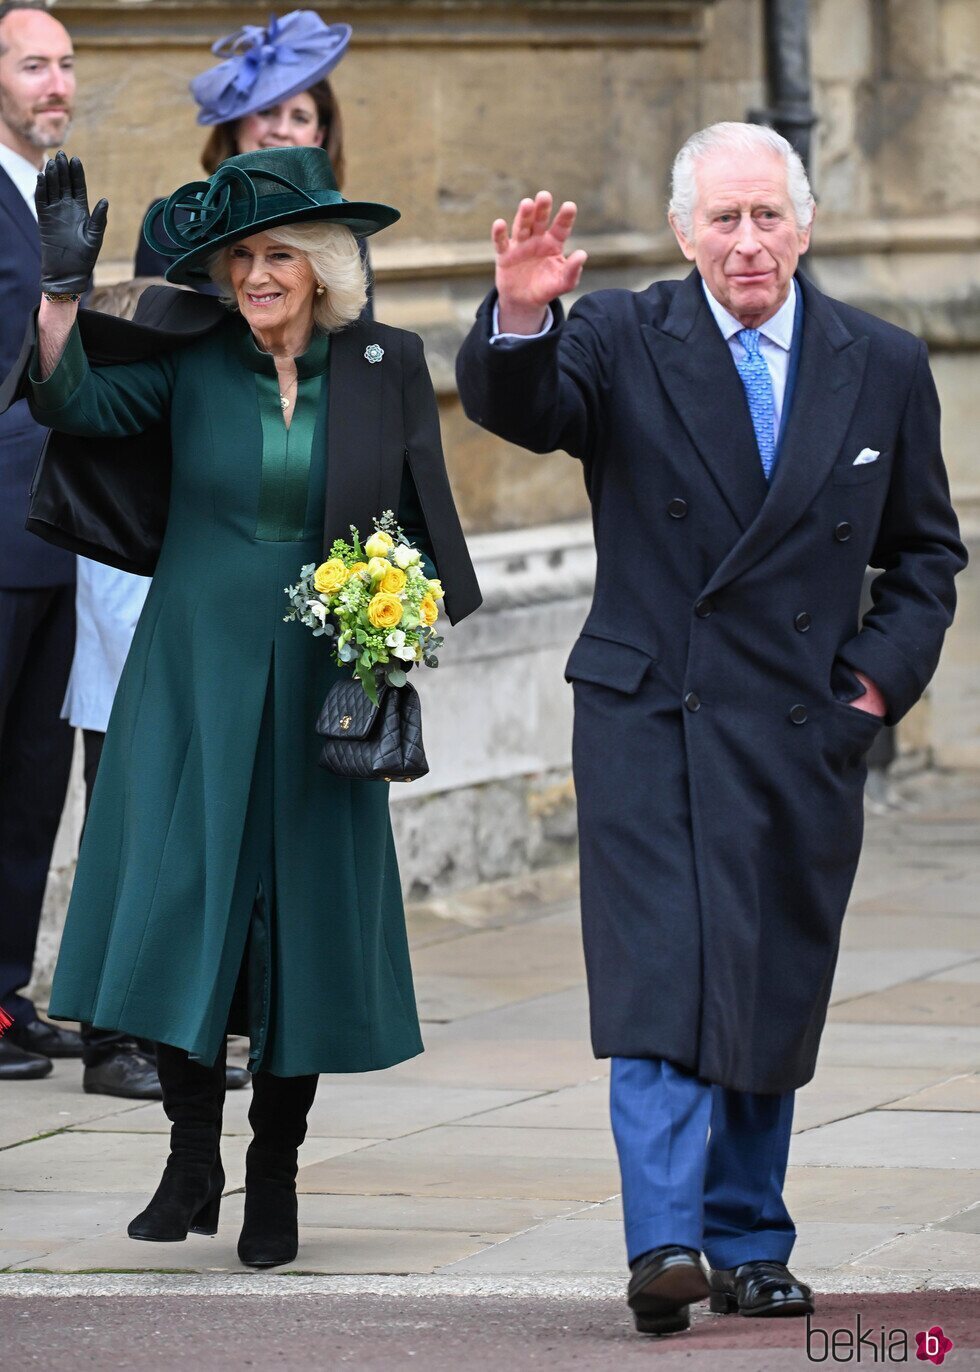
(70, 236)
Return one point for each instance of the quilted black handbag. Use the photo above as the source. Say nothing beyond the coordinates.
(380, 742)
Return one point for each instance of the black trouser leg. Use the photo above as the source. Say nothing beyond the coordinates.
(189, 1194)
(278, 1116)
(37, 639)
(99, 1044)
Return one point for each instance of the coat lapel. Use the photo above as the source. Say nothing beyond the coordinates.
(696, 369)
(355, 430)
(19, 215)
(828, 382)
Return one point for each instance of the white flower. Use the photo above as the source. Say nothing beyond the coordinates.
(396, 639)
(403, 556)
(318, 610)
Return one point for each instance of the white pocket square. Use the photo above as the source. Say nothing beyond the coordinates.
(866, 455)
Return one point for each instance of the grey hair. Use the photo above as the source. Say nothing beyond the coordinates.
(336, 261)
(732, 137)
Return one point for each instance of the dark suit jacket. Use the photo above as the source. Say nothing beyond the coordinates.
(24, 560)
(719, 771)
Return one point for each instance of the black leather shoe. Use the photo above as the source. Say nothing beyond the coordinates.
(236, 1078)
(41, 1036)
(16, 1064)
(127, 1072)
(760, 1288)
(664, 1283)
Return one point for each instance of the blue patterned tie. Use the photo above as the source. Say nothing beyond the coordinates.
(758, 391)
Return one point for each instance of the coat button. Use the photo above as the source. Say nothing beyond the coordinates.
(677, 508)
(843, 532)
(704, 607)
(798, 714)
(802, 622)
(692, 702)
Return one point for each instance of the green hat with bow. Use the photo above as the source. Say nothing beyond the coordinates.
(254, 192)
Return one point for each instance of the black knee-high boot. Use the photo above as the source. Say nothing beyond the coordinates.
(270, 1234)
(189, 1195)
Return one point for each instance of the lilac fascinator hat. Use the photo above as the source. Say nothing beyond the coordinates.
(264, 66)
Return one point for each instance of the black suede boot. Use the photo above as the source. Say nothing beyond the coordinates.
(189, 1195)
(270, 1234)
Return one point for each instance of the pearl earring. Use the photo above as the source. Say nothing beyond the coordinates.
(320, 290)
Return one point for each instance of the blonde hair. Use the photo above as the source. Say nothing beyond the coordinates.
(333, 254)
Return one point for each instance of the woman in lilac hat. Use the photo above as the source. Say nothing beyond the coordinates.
(271, 90)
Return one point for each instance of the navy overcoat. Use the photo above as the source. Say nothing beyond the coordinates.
(719, 768)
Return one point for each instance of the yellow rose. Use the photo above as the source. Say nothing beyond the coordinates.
(357, 567)
(384, 611)
(435, 589)
(330, 576)
(394, 580)
(379, 544)
(428, 611)
(378, 567)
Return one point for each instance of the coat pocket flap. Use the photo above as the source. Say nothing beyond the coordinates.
(347, 712)
(607, 663)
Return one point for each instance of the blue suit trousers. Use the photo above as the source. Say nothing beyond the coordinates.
(701, 1165)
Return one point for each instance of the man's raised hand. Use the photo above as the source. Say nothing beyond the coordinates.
(531, 266)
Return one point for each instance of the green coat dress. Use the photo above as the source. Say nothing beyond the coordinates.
(209, 794)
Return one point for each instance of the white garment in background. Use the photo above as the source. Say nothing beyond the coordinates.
(22, 173)
(107, 605)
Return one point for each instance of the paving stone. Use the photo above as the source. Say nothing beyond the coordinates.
(57, 1217)
(499, 1218)
(495, 954)
(574, 1107)
(829, 1244)
(893, 929)
(858, 974)
(122, 1162)
(966, 1222)
(837, 1092)
(892, 1138)
(963, 972)
(368, 1106)
(914, 1002)
(528, 1066)
(593, 1246)
(388, 1170)
(931, 1249)
(443, 998)
(22, 1251)
(952, 1048)
(29, 1108)
(962, 1093)
(327, 1251)
(878, 1195)
(954, 895)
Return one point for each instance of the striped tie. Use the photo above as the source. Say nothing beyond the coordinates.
(758, 391)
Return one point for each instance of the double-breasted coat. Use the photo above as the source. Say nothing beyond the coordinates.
(222, 872)
(719, 768)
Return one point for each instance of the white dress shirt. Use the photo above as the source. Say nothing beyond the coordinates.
(22, 173)
(775, 342)
(107, 605)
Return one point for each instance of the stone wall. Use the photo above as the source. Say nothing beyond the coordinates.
(454, 109)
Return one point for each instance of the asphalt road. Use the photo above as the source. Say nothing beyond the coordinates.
(464, 1334)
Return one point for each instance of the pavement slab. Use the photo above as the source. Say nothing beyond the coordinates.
(464, 1205)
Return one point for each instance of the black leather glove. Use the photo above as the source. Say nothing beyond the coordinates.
(70, 236)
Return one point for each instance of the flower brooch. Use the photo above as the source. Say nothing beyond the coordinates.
(374, 352)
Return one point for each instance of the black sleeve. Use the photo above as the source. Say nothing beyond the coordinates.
(541, 393)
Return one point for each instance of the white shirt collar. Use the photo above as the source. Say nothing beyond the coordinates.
(22, 173)
(778, 329)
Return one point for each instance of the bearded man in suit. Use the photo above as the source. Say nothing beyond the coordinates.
(37, 581)
(749, 447)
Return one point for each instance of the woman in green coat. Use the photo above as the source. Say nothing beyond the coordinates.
(226, 883)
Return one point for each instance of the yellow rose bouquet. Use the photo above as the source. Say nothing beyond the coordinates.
(375, 603)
